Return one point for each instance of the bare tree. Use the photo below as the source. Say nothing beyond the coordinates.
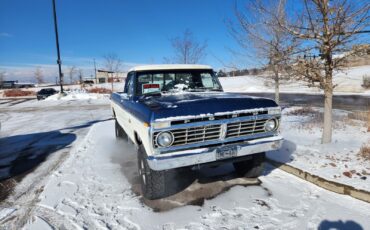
(113, 64)
(330, 28)
(187, 49)
(80, 75)
(2, 77)
(39, 75)
(71, 72)
(258, 31)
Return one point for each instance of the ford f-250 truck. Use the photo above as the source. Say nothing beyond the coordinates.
(179, 117)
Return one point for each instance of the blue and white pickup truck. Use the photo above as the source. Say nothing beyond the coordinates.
(179, 117)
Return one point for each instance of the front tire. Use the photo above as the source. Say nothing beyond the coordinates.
(153, 183)
(120, 133)
(251, 168)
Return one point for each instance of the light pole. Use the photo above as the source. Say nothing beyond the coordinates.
(96, 79)
(58, 51)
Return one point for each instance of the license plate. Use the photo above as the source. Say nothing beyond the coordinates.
(226, 152)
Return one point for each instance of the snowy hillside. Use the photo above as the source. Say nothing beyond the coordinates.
(348, 81)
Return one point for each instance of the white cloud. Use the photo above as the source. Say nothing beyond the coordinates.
(3, 34)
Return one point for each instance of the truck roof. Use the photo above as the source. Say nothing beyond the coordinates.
(169, 67)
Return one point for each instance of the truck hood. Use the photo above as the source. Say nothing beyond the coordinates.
(195, 104)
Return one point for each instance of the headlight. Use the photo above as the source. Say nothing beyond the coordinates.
(164, 139)
(270, 125)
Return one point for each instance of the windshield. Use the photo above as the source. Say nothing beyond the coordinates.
(47, 91)
(176, 81)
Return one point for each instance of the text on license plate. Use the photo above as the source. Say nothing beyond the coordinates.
(226, 152)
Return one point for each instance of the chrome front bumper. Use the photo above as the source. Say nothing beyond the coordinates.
(205, 155)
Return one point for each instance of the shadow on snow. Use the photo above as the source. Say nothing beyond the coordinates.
(188, 186)
(339, 225)
(20, 154)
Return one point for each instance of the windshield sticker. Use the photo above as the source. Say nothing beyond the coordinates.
(149, 88)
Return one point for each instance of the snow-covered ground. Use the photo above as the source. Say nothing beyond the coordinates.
(35, 137)
(88, 180)
(347, 81)
(77, 95)
(21, 117)
(303, 149)
(93, 190)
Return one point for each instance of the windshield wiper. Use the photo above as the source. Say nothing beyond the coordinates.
(152, 94)
(196, 90)
(203, 89)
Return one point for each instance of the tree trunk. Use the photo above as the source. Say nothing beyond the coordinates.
(327, 132)
(277, 96)
(328, 106)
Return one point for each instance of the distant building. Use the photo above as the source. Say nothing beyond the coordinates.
(8, 84)
(24, 85)
(104, 76)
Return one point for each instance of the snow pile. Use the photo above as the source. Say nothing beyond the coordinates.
(338, 161)
(93, 190)
(76, 95)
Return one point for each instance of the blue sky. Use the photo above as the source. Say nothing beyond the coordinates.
(137, 30)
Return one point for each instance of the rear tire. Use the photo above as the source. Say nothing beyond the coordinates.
(153, 183)
(120, 133)
(251, 168)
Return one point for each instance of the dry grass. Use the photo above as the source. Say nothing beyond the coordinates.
(358, 115)
(313, 119)
(99, 90)
(365, 152)
(18, 93)
(366, 81)
(349, 122)
(360, 118)
(304, 111)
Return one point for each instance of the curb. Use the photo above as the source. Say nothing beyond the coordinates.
(323, 183)
(19, 98)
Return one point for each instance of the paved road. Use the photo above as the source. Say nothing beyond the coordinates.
(347, 102)
(14, 101)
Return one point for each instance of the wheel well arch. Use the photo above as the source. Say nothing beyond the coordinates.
(137, 139)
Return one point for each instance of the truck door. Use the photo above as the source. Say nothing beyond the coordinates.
(126, 104)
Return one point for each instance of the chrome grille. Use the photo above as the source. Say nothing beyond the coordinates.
(244, 128)
(193, 135)
(214, 132)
